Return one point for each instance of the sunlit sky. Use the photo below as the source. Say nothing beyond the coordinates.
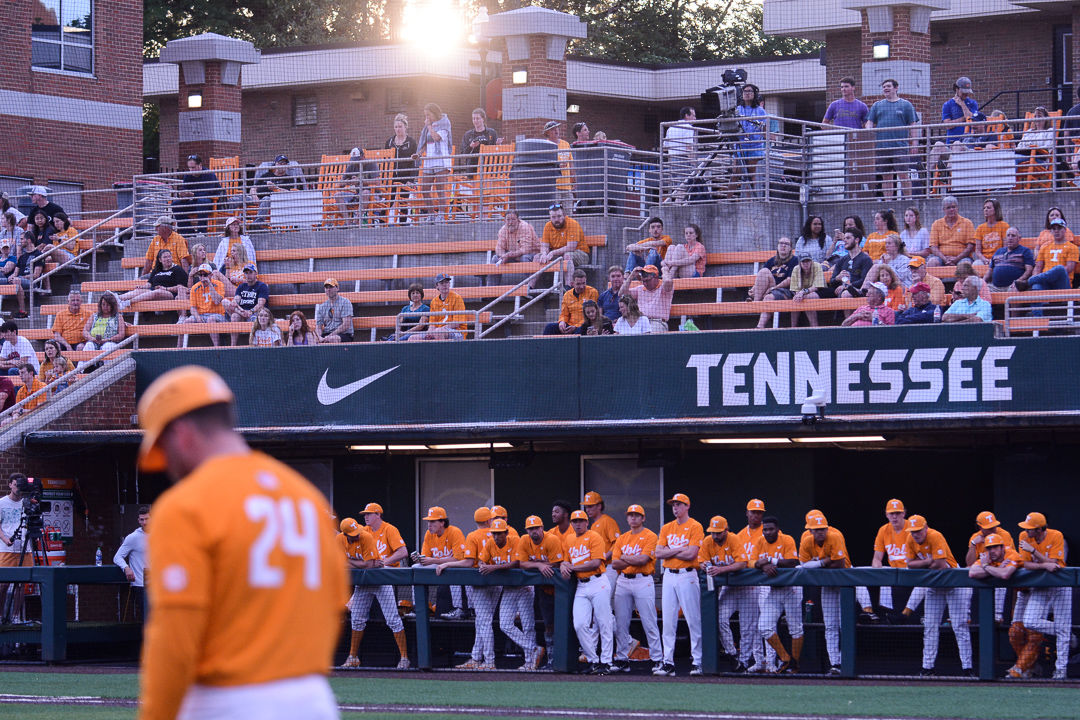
(435, 26)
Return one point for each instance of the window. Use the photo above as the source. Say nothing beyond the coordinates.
(459, 485)
(621, 482)
(305, 110)
(62, 35)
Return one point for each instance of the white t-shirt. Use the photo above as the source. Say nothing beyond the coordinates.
(640, 328)
(679, 139)
(132, 553)
(24, 349)
(915, 242)
(10, 517)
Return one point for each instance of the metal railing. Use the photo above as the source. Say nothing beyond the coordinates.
(530, 281)
(1037, 312)
(446, 322)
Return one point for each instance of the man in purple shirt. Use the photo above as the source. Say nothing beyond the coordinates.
(850, 112)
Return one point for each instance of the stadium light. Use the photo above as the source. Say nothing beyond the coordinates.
(881, 51)
(746, 441)
(433, 26)
(194, 100)
(520, 76)
(384, 448)
(840, 439)
(472, 446)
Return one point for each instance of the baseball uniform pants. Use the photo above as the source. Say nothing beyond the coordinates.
(612, 576)
(360, 606)
(1041, 603)
(959, 603)
(518, 602)
(545, 602)
(593, 617)
(306, 697)
(743, 600)
(885, 598)
(681, 591)
(640, 593)
(830, 613)
(484, 600)
(781, 600)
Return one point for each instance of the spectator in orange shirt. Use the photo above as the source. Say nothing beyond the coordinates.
(563, 237)
(1055, 263)
(571, 317)
(30, 385)
(166, 237)
(884, 226)
(651, 250)
(990, 235)
(517, 241)
(68, 324)
(952, 237)
(1047, 235)
(206, 296)
(445, 326)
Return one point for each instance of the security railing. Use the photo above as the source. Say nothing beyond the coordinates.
(531, 281)
(1039, 312)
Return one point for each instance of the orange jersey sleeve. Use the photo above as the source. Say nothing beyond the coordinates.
(474, 543)
(674, 535)
(580, 549)
(607, 529)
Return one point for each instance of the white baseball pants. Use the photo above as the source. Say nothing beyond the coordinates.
(360, 606)
(309, 697)
(745, 601)
(518, 602)
(781, 600)
(681, 591)
(640, 593)
(830, 613)
(959, 603)
(592, 601)
(483, 601)
(1041, 603)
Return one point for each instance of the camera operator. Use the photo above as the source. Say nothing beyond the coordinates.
(11, 517)
(131, 557)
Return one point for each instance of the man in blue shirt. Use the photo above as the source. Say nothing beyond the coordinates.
(971, 307)
(1011, 262)
(922, 310)
(956, 112)
(250, 295)
(199, 188)
(893, 115)
(609, 299)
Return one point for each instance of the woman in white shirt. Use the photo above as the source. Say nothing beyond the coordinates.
(916, 238)
(631, 322)
(234, 234)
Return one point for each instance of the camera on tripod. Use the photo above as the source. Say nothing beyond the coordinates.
(721, 100)
(33, 506)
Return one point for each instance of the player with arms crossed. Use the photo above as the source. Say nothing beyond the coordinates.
(678, 546)
(247, 588)
(634, 558)
(584, 552)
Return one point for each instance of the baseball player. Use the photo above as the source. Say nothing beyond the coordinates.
(722, 553)
(247, 585)
(775, 550)
(634, 559)
(891, 544)
(390, 550)
(443, 543)
(541, 552)
(750, 608)
(997, 560)
(358, 547)
(678, 546)
(474, 544)
(604, 526)
(584, 556)
(1042, 548)
(824, 547)
(498, 511)
(989, 525)
(497, 555)
(560, 520)
(926, 548)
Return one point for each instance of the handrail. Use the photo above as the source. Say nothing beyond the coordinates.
(561, 261)
(1046, 88)
(449, 319)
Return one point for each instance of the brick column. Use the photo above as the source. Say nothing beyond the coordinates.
(533, 40)
(209, 93)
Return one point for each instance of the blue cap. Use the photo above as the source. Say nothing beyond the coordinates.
(251, 267)
(281, 159)
(442, 276)
(1057, 221)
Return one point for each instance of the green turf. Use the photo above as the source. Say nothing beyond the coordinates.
(52, 712)
(891, 699)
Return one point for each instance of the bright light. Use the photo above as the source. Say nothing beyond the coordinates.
(472, 446)
(384, 448)
(434, 26)
(840, 439)
(881, 51)
(194, 100)
(746, 441)
(573, 109)
(520, 77)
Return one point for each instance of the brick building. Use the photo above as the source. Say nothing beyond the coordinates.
(70, 96)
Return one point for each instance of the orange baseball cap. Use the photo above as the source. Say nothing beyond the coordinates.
(993, 539)
(330, 282)
(498, 511)
(816, 522)
(173, 395)
(498, 525)
(1033, 521)
(812, 512)
(986, 520)
(534, 521)
(482, 514)
(679, 497)
(916, 522)
(579, 515)
(755, 504)
(636, 509)
(350, 527)
(372, 508)
(916, 261)
(650, 269)
(435, 513)
(592, 498)
(718, 523)
(894, 505)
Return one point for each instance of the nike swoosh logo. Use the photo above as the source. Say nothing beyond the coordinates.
(328, 395)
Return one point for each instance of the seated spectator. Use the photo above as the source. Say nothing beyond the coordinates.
(105, 328)
(596, 323)
(233, 269)
(563, 237)
(42, 229)
(445, 326)
(952, 237)
(970, 307)
(1011, 263)
(7, 208)
(651, 250)
(333, 318)
(167, 281)
(55, 366)
(571, 317)
(68, 324)
(166, 237)
(875, 311)
(965, 270)
(7, 260)
(355, 187)
(39, 196)
(1046, 236)
(884, 226)
(517, 241)
(896, 259)
(207, 295)
(991, 232)
(248, 297)
(916, 238)
(264, 332)
(686, 260)
(921, 311)
(631, 321)
(199, 188)
(411, 321)
(200, 257)
(653, 295)
(851, 222)
(1055, 264)
(28, 268)
(894, 296)
(30, 385)
(774, 274)
(849, 272)
(65, 244)
(814, 241)
(278, 176)
(7, 393)
(234, 235)
(996, 135)
(299, 332)
(10, 232)
(1039, 138)
(920, 275)
(609, 299)
(15, 350)
(806, 280)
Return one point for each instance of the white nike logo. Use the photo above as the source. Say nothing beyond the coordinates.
(328, 395)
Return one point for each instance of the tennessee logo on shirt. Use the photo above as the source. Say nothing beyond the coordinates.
(633, 548)
(579, 553)
(441, 552)
(895, 552)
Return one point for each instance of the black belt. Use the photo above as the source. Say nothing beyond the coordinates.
(630, 576)
(586, 579)
(678, 570)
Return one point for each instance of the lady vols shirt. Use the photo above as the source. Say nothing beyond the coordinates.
(893, 544)
(676, 535)
(580, 549)
(643, 542)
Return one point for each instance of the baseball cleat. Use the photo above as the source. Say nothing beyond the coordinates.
(784, 667)
(927, 672)
(656, 667)
(620, 666)
(455, 614)
(469, 664)
(486, 666)
(350, 662)
(834, 670)
(1058, 675)
(404, 664)
(601, 669)
(664, 670)
(695, 670)
(969, 673)
(758, 668)
(740, 667)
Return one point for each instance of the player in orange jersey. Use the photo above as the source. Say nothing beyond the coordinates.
(603, 525)
(987, 524)
(474, 545)
(1044, 549)
(443, 543)
(542, 552)
(584, 552)
(678, 546)
(748, 600)
(775, 550)
(390, 550)
(515, 602)
(634, 559)
(823, 546)
(358, 547)
(890, 545)
(722, 553)
(512, 535)
(247, 584)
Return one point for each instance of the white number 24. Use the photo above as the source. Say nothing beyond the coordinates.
(296, 535)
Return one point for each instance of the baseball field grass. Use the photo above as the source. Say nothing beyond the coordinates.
(385, 695)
